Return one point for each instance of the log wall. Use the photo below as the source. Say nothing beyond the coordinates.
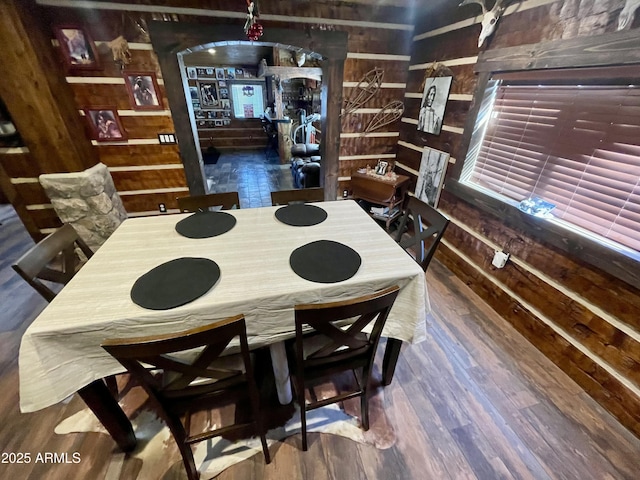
(582, 318)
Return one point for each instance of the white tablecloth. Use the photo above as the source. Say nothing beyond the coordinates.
(60, 352)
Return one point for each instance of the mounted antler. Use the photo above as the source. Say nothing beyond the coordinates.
(490, 19)
(627, 14)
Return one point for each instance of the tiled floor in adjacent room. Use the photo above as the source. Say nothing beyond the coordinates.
(253, 174)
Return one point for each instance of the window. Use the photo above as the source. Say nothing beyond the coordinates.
(247, 99)
(571, 138)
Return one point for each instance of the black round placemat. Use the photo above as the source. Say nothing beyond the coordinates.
(175, 283)
(325, 261)
(205, 224)
(301, 215)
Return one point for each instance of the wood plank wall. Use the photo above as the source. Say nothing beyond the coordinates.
(583, 319)
(146, 173)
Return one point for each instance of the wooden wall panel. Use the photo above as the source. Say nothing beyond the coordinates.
(136, 155)
(146, 126)
(356, 68)
(19, 165)
(149, 179)
(148, 202)
(32, 193)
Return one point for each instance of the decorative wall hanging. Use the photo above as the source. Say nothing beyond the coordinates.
(434, 100)
(364, 91)
(627, 14)
(433, 166)
(388, 114)
(209, 97)
(105, 124)
(252, 28)
(143, 89)
(78, 50)
(490, 17)
(120, 50)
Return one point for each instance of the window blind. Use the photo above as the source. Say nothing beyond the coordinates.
(572, 144)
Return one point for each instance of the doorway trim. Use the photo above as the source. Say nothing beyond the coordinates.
(170, 39)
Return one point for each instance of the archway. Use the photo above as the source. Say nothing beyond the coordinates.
(170, 39)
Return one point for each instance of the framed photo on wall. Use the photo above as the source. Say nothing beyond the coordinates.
(209, 97)
(433, 166)
(104, 124)
(434, 100)
(77, 47)
(143, 89)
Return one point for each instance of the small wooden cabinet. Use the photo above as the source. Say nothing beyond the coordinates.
(387, 193)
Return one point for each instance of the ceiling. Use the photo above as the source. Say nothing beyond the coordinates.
(232, 55)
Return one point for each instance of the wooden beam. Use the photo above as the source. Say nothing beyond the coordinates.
(33, 87)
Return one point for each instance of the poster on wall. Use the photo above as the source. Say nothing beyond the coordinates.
(208, 94)
(431, 175)
(434, 100)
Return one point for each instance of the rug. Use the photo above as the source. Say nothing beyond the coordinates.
(158, 452)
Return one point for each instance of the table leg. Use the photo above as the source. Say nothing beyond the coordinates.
(98, 398)
(281, 372)
(391, 353)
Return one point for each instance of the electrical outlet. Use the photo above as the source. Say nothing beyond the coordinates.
(500, 259)
(162, 207)
(345, 193)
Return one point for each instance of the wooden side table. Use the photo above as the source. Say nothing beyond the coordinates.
(381, 191)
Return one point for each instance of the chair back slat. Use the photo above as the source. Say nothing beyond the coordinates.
(302, 195)
(53, 259)
(226, 200)
(429, 226)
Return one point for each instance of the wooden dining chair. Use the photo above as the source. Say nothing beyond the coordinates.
(180, 387)
(226, 200)
(425, 226)
(302, 195)
(330, 348)
(52, 259)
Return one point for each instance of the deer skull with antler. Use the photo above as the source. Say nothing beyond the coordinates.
(490, 19)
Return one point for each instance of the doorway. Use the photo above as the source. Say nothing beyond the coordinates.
(171, 39)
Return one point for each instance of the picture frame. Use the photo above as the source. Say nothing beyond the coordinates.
(192, 73)
(381, 168)
(231, 73)
(143, 89)
(209, 97)
(433, 103)
(104, 124)
(222, 83)
(77, 48)
(433, 167)
(220, 73)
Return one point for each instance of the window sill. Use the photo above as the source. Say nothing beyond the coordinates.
(622, 265)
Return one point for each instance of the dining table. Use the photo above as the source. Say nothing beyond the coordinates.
(60, 352)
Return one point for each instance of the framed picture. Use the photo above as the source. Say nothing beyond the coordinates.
(192, 73)
(226, 103)
(231, 73)
(224, 93)
(209, 97)
(143, 89)
(77, 47)
(220, 73)
(218, 123)
(105, 124)
(239, 72)
(433, 166)
(381, 168)
(222, 83)
(434, 100)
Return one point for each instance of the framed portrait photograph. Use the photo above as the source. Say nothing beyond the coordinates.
(433, 166)
(104, 124)
(434, 100)
(192, 73)
(220, 73)
(381, 168)
(77, 47)
(209, 97)
(231, 73)
(143, 89)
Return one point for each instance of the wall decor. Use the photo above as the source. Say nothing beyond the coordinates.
(77, 47)
(208, 94)
(490, 17)
(220, 73)
(433, 166)
(434, 100)
(192, 73)
(143, 89)
(388, 114)
(367, 87)
(104, 124)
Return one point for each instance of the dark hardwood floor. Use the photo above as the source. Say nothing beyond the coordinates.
(474, 401)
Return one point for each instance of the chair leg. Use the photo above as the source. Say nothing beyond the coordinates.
(303, 411)
(391, 354)
(180, 435)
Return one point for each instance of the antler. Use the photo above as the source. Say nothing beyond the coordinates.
(490, 18)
